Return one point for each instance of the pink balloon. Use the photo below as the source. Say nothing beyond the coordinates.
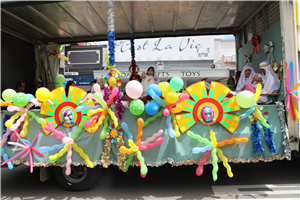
(166, 112)
(250, 88)
(97, 88)
(134, 89)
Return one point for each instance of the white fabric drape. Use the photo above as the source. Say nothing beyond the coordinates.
(243, 80)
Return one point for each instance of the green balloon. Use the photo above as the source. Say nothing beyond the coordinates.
(20, 99)
(59, 85)
(8, 95)
(60, 79)
(137, 107)
(245, 99)
(176, 83)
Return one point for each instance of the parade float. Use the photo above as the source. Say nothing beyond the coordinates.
(200, 127)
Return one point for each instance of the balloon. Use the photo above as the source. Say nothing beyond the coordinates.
(171, 97)
(60, 79)
(250, 88)
(164, 87)
(155, 89)
(134, 89)
(43, 94)
(8, 95)
(20, 99)
(30, 97)
(245, 99)
(137, 107)
(65, 83)
(176, 83)
(152, 108)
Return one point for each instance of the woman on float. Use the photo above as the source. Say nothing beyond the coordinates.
(271, 83)
(246, 77)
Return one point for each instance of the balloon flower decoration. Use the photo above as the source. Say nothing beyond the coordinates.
(58, 53)
(247, 99)
(211, 149)
(18, 102)
(66, 146)
(61, 109)
(291, 92)
(26, 148)
(171, 102)
(208, 109)
(137, 146)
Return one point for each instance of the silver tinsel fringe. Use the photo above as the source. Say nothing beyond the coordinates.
(285, 142)
(110, 16)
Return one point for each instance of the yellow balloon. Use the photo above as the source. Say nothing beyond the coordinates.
(165, 88)
(43, 94)
(172, 97)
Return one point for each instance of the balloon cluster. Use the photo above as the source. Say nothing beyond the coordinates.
(60, 81)
(137, 146)
(211, 149)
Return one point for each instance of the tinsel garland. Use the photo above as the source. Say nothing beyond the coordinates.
(119, 105)
(269, 138)
(111, 48)
(121, 157)
(4, 128)
(106, 94)
(256, 138)
(285, 142)
(110, 16)
(133, 63)
(106, 154)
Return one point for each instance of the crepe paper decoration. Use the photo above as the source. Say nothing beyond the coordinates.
(247, 59)
(211, 149)
(114, 134)
(255, 43)
(269, 49)
(63, 111)
(25, 147)
(139, 145)
(291, 92)
(58, 53)
(68, 143)
(211, 104)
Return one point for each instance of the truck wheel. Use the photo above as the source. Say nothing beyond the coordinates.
(80, 179)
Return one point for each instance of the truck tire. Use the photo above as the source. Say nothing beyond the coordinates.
(80, 179)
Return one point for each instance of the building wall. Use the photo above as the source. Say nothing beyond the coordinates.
(17, 62)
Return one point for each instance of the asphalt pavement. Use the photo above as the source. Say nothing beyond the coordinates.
(273, 180)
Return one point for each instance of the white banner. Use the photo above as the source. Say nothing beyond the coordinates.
(167, 49)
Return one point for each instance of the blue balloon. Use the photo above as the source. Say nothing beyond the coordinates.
(30, 97)
(152, 108)
(155, 88)
(65, 83)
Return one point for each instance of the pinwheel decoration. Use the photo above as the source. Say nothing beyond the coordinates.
(26, 148)
(137, 146)
(58, 53)
(291, 92)
(63, 110)
(208, 109)
(211, 149)
(66, 146)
